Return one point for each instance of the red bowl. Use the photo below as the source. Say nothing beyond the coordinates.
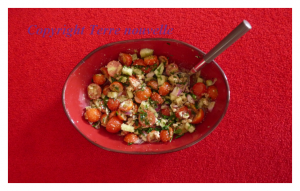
(74, 96)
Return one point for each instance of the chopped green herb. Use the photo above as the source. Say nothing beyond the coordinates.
(95, 124)
(113, 79)
(193, 96)
(178, 136)
(105, 100)
(149, 130)
(116, 87)
(130, 143)
(178, 131)
(140, 131)
(167, 126)
(168, 43)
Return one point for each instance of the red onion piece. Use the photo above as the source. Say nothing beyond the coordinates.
(128, 112)
(150, 75)
(211, 106)
(190, 99)
(157, 109)
(164, 106)
(139, 141)
(176, 91)
(120, 93)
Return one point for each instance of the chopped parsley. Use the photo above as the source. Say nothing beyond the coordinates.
(129, 143)
(116, 87)
(178, 131)
(193, 96)
(113, 79)
(153, 103)
(178, 136)
(149, 130)
(166, 127)
(95, 124)
(105, 100)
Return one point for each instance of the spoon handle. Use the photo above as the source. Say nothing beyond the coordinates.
(237, 33)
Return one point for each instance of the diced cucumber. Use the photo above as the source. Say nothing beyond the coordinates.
(199, 80)
(128, 128)
(178, 101)
(137, 71)
(209, 82)
(148, 79)
(159, 70)
(122, 79)
(161, 79)
(127, 71)
(129, 94)
(134, 57)
(112, 95)
(144, 106)
(163, 122)
(146, 52)
(190, 128)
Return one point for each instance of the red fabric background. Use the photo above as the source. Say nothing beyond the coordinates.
(253, 143)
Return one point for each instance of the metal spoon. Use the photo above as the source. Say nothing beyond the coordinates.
(233, 36)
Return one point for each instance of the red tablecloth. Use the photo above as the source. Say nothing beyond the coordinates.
(253, 143)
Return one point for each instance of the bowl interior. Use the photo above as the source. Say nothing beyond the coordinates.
(75, 97)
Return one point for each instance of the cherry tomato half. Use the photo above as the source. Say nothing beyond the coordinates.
(94, 91)
(134, 82)
(198, 117)
(153, 136)
(147, 118)
(114, 68)
(139, 62)
(92, 115)
(164, 60)
(151, 60)
(166, 135)
(106, 89)
(116, 87)
(104, 72)
(125, 59)
(126, 105)
(121, 115)
(153, 84)
(131, 138)
(112, 114)
(147, 69)
(113, 104)
(99, 79)
(198, 89)
(171, 69)
(144, 93)
(156, 97)
(104, 120)
(164, 89)
(181, 111)
(166, 111)
(212, 92)
(114, 125)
